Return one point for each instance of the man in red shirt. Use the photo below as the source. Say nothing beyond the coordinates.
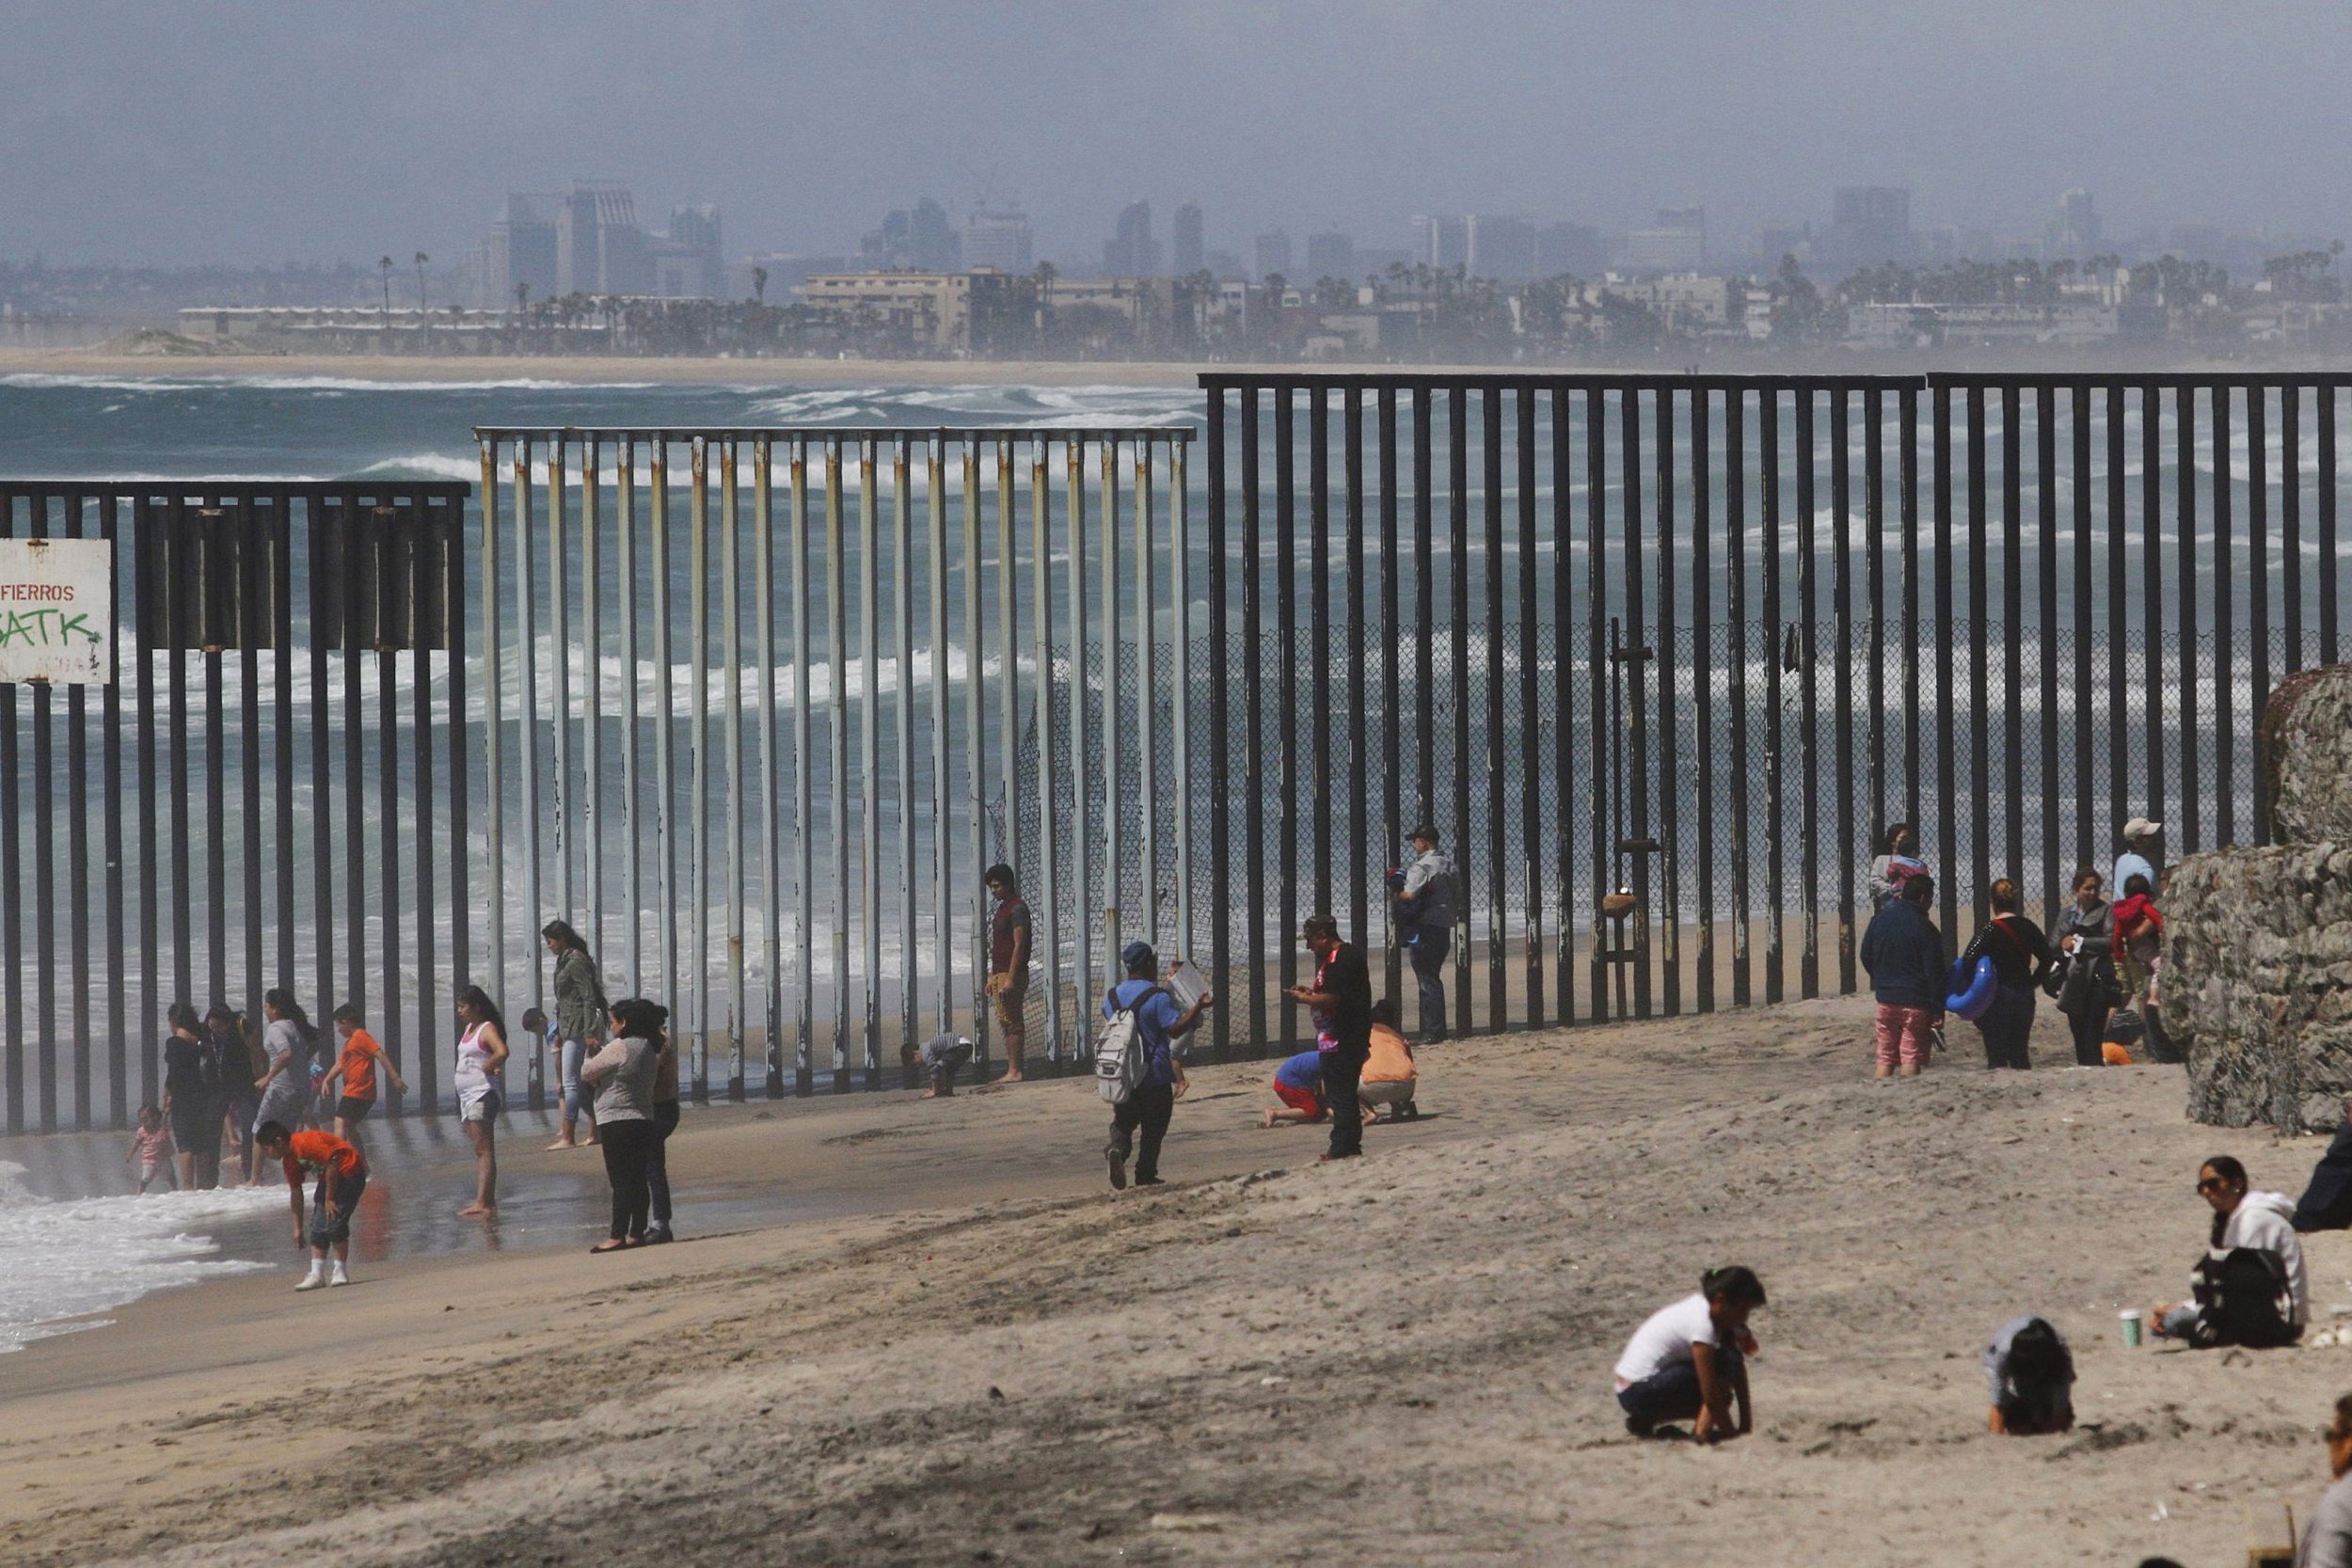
(343, 1175)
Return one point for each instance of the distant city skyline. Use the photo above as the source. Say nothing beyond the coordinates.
(266, 134)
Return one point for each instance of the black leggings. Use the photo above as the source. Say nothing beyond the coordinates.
(2090, 1028)
(658, 1162)
(627, 1146)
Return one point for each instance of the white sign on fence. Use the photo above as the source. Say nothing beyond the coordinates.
(58, 610)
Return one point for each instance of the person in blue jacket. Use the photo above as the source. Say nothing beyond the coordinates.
(1149, 1104)
(1904, 954)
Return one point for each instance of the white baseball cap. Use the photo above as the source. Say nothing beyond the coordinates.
(2139, 827)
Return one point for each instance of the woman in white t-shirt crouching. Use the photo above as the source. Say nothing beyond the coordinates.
(1689, 1361)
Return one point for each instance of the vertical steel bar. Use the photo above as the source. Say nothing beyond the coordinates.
(110, 754)
(45, 857)
(1881, 804)
(1180, 594)
(258, 515)
(2118, 655)
(1639, 658)
(1253, 734)
(2291, 521)
(1531, 710)
(176, 672)
(359, 544)
(1946, 805)
(1498, 830)
(1009, 712)
(975, 738)
(2258, 575)
(387, 812)
(216, 524)
(527, 643)
(2184, 533)
(771, 780)
(1907, 512)
(1146, 693)
(837, 727)
(1358, 697)
(1393, 829)
(1048, 765)
(1741, 640)
(432, 537)
(632, 679)
(1841, 613)
(77, 844)
(1114, 855)
(1702, 675)
(731, 721)
(1081, 774)
(592, 788)
(2224, 622)
(1808, 688)
(664, 731)
(459, 608)
(2152, 588)
(1776, 853)
(943, 821)
(2083, 585)
(2329, 564)
(697, 993)
(559, 673)
(144, 548)
(13, 1043)
(1286, 662)
(902, 713)
(869, 755)
(1318, 655)
(2046, 597)
(1458, 583)
(1221, 728)
(325, 591)
(803, 790)
(1980, 622)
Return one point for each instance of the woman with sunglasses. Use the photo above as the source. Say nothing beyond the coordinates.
(2251, 1287)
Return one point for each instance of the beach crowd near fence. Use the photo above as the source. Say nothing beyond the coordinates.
(1658, 656)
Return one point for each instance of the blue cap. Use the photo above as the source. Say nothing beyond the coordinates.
(1139, 954)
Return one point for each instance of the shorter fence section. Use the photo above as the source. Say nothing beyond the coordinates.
(771, 702)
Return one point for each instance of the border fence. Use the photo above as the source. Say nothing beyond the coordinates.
(754, 708)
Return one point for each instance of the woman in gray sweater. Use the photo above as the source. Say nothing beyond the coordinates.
(622, 1074)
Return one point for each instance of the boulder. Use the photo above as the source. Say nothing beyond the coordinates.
(2306, 750)
(2257, 983)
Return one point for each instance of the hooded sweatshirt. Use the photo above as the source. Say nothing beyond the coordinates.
(2263, 1221)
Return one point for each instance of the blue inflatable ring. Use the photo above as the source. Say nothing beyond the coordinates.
(1976, 1000)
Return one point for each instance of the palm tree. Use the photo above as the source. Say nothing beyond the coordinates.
(759, 285)
(421, 260)
(384, 264)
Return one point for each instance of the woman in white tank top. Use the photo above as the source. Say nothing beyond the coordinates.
(480, 1085)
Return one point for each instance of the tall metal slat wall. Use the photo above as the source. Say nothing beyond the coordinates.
(172, 836)
(1739, 678)
(901, 700)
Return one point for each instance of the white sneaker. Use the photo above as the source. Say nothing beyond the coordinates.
(312, 1280)
(338, 1276)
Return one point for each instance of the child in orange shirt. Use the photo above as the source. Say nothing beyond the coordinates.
(343, 1175)
(355, 1071)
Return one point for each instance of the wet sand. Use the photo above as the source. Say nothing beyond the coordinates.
(974, 1352)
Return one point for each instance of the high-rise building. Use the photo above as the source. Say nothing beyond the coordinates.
(1442, 242)
(519, 254)
(1676, 243)
(1502, 248)
(598, 247)
(1273, 254)
(998, 238)
(1185, 240)
(1131, 251)
(687, 262)
(2073, 233)
(1569, 248)
(1330, 256)
(1870, 226)
(916, 238)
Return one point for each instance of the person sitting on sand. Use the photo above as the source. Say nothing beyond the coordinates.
(941, 1056)
(2250, 1287)
(1298, 1085)
(1388, 1071)
(2326, 1200)
(2328, 1539)
(2030, 1374)
(343, 1175)
(1689, 1361)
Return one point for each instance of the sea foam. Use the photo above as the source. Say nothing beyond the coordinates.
(61, 1261)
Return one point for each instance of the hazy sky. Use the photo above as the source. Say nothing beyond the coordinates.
(268, 131)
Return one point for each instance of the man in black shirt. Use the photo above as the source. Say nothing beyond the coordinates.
(1342, 999)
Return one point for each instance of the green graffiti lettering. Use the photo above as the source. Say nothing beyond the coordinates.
(76, 624)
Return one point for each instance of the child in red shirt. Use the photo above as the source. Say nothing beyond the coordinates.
(343, 1175)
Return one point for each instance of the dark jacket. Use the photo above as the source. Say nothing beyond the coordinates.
(1349, 985)
(2016, 947)
(1904, 954)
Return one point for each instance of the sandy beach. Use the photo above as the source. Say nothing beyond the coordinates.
(977, 1352)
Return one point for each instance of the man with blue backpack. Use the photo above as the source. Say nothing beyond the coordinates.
(1134, 1062)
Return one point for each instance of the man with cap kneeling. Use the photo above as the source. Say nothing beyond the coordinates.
(941, 1056)
(1150, 1104)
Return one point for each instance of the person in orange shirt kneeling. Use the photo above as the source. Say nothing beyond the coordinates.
(1388, 1071)
(343, 1175)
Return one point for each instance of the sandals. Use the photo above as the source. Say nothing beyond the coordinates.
(615, 1245)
